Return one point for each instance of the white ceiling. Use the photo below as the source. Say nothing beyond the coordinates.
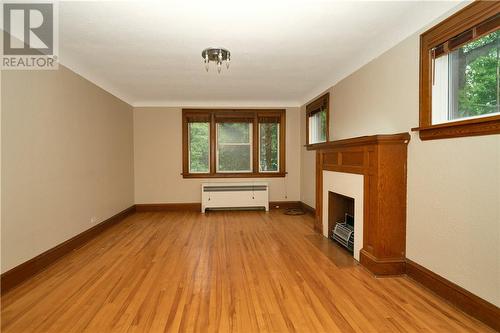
(283, 52)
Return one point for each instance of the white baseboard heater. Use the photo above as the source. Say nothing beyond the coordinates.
(234, 195)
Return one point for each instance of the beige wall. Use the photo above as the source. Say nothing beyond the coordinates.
(67, 153)
(307, 166)
(453, 217)
(158, 159)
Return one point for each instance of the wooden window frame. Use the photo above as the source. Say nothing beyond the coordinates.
(252, 116)
(322, 101)
(465, 19)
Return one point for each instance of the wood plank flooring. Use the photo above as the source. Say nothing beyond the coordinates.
(221, 272)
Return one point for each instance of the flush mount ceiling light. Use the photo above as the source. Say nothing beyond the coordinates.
(217, 55)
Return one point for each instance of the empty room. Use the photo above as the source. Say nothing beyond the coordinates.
(250, 166)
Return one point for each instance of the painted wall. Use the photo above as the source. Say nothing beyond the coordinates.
(158, 159)
(453, 216)
(67, 157)
(307, 166)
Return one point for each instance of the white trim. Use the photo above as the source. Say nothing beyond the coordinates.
(456, 120)
(440, 91)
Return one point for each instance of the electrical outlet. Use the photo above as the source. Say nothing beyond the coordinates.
(92, 220)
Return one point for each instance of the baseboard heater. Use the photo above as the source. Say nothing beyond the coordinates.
(234, 195)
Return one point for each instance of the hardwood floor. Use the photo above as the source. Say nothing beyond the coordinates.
(223, 272)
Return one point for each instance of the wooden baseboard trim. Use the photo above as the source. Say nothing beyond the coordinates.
(169, 207)
(307, 208)
(464, 300)
(382, 267)
(28, 269)
(196, 206)
(284, 204)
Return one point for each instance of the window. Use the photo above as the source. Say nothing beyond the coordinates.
(317, 114)
(199, 147)
(459, 74)
(233, 143)
(465, 83)
(234, 147)
(317, 126)
(269, 146)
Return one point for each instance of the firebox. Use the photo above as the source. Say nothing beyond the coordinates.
(341, 219)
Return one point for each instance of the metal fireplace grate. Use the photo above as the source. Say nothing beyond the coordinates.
(344, 234)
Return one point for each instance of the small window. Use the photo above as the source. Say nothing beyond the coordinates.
(199, 147)
(465, 84)
(234, 147)
(459, 74)
(317, 126)
(317, 113)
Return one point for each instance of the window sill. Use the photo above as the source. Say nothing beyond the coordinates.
(463, 128)
(314, 146)
(235, 175)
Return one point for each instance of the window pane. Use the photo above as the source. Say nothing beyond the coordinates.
(474, 79)
(199, 143)
(234, 147)
(466, 81)
(440, 91)
(322, 122)
(269, 147)
(233, 133)
(317, 127)
(235, 158)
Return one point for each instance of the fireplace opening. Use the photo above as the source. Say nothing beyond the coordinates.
(341, 220)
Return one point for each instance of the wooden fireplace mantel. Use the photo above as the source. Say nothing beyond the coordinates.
(381, 159)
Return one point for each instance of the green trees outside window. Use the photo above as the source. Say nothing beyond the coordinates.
(269, 147)
(234, 147)
(233, 143)
(475, 75)
(199, 147)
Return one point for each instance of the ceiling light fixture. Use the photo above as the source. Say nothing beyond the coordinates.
(218, 55)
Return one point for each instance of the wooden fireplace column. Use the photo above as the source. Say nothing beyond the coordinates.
(381, 159)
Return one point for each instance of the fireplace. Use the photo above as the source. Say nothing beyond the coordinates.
(343, 193)
(341, 219)
(372, 170)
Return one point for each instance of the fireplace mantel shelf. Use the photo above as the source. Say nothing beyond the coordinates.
(362, 140)
(381, 159)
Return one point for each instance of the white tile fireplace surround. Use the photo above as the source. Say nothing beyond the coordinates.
(350, 185)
